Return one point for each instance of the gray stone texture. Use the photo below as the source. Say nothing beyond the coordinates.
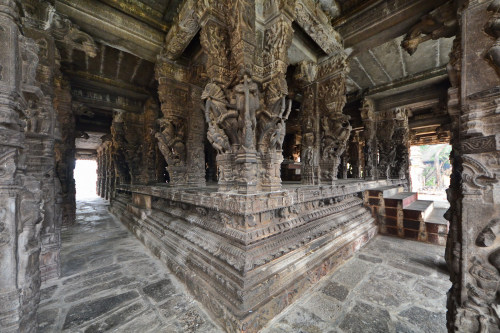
(139, 294)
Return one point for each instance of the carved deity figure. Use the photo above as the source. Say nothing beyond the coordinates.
(334, 138)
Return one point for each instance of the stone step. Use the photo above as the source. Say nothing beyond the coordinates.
(406, 198)
(437, 216)
(436, 226)
(418, 210)
(387, 191)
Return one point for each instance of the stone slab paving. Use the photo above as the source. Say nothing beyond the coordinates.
(391, 285)
(110, 282)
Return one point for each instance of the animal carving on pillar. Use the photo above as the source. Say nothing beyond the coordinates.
(493, 29)
(222, 121)
(335, 132)
(172, 141)
(439, 23)
(271, 119)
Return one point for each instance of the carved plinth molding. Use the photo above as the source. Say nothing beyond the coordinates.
(249, 237)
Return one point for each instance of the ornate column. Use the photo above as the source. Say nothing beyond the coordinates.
(151, 111)
(133, 145)
(369, 135)
(401, 138)
(335, 128)
(473, 251)
(271, 129)
(179, 136)
(118, 154)
(385, 144)
(20, 193)
(248, 136)
(109, 187)
(354, 155)
(65, 148)
(309, 153)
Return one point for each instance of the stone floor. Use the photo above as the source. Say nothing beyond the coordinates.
(110, 282)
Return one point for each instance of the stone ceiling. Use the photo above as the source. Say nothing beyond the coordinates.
(388, 63)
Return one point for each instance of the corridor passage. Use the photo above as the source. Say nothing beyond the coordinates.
(111, 282)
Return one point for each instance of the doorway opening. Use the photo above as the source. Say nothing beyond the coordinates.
(86, 179)
(430, 171)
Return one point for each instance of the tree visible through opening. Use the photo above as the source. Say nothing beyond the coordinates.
(430, 170)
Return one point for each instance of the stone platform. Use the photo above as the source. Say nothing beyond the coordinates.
(111, 282)
(247, 257)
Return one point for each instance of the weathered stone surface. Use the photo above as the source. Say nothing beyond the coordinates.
(116, 319)
(46, 320)
(366, 318)
(374, 260)
(336, 291)
(427, 320)
(87, 311)
(160, 290)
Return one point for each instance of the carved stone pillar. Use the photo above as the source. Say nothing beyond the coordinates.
(248, 142)
(133, 146)
(195, 138)
(20, 193)
(385, 144)
(109, 166)
(401, 139)
(473, 249)
(309, 154)
(369, 135)
(151, 111)
(354, 156)
(335, 128)
(121, 169)
(174, 124)
(65, 148)
(271, 119)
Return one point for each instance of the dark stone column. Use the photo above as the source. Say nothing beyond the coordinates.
(20, 192)
(473, 249)
(369, 135)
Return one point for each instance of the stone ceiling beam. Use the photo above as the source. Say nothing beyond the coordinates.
(114, 27)
(407, 83)
(382, 22)
(87, 80)
(141, 11)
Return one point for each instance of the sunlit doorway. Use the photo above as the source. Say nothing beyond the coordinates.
(86, 179)
(430, 171)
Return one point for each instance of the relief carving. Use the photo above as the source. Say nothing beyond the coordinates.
(493, 29)
(172, 140)
(439, 23)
